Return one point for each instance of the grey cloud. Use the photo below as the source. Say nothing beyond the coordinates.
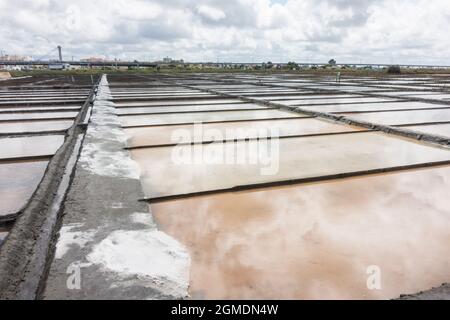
(359, 9)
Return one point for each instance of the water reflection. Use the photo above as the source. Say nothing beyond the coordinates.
(296, 158)
(196, 108)
(316, 241)
(240, 130)
(205, 117)
(17, 183)
(438, 129)
(404, 117)
(29, 146)
(38, 126)
(37, 115)
(306, 102)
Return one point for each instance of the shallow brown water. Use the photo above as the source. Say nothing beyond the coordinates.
(37, 126)
(404, 117)
(175, 102)
(196, 108)
(38, 115)
(241, 130)
(306, 102)
(17, 183)
(438, 129)
(29, 146)
(316, 241)
(368, 107)
(164, 119)
(184, 169)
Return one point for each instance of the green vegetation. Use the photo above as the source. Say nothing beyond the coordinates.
(394, 70)
(292, 65)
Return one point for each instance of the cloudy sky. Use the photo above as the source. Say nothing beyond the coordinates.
(385, 31)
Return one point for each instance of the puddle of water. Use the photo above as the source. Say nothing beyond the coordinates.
(164, 172)
(162, 95)
(317, 241)
(39, 126)
(136, 89)
(43, 93)
(404, 117)
(32, 98)
(307, 97)
(438, 129)
(303, 126)
(213, 107)
(254, 92)
(205, 117)
(341, 88)
(389, 106)
(17, 183)
(41, 101)
(39, 98)
(151, 90)
(403, 87)
(29, 146)
(444, 97)
(38, 115)
(176, 102)
(41, 108)
(230, 87)
(332, 101)
(161, 98)
(406, 93)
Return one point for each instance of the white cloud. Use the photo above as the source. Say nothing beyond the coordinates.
(409, 31)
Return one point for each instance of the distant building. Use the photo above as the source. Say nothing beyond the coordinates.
(14, 57)
(59, 66)
(168, 60)
(93, 59)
